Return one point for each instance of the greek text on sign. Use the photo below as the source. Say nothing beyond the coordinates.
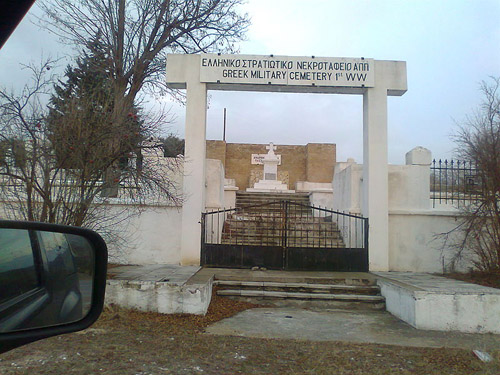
(259, 159)
(285, 70)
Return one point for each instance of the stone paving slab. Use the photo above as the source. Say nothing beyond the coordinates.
(436, 284)
(378, 327)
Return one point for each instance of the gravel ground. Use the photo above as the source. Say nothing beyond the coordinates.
(131, 342)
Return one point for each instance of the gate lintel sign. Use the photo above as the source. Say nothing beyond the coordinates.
(286, 70)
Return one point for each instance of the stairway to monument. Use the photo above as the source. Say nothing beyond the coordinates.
(267, 230)
(261, 220)
(245, 199)
(315, 290)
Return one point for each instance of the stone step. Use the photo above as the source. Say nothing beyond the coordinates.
(299, 295)
(258, 242)
(278, 223)
(286, 289)
(340, 278)
(300, 231)
(298, 287)
(316, 301)
(267, 195)
(278, 232)
(244, 199)
(263, 216)
(277, 235)
(273, 209)
(291, 225)
(262, 231)
(271, 196)
(314, 304)
(271, 203)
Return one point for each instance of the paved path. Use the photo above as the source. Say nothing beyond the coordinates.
(378, 327)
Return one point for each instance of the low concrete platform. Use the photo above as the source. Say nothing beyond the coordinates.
(159, 288)
(437, 303)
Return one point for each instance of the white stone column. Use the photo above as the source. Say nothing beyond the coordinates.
(375, 176)
(194, 172)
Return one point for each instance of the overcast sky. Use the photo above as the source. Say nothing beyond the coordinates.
(449, 47)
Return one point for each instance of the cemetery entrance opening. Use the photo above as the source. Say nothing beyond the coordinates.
(284, 235)
(374, 79)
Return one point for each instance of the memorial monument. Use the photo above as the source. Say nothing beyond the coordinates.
(270, 182)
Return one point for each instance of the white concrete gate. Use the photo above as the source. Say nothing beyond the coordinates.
(374, 79)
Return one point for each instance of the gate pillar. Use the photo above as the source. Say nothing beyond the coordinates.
(375, 204)
(390, 79)
(187, 71)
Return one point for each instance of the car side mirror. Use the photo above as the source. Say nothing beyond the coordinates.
(52, 280)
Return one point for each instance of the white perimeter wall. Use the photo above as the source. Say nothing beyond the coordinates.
(414, 225)
(414, 244)
(152, 237)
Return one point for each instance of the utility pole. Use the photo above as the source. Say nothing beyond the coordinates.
(224, 135)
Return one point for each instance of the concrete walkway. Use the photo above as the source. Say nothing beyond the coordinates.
(377, 327)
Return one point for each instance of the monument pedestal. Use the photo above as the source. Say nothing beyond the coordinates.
(269, 186)
(270, 183)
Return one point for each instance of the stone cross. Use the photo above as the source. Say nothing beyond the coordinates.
(271, 148)
(270, 163)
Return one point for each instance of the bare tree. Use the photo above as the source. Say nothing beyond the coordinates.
(58, 177)
(137, 34)
(478, 140)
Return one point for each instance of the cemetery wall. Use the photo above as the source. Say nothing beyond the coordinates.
(320, 160)
(414, 226)
(313, 162)
(149, 238)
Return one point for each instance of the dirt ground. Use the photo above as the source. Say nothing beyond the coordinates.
(131, 342)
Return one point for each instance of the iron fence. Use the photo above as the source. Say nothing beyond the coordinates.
(455, 182)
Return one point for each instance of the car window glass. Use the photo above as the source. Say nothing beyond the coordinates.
(18, 273)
